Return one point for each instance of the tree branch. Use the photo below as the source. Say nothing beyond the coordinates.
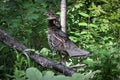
(8, 40)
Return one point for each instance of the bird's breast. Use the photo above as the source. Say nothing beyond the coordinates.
(55, 42)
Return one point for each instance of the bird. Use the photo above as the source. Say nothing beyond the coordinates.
(59, 40)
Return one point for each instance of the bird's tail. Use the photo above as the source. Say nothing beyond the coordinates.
(78, 53)
(74, 51)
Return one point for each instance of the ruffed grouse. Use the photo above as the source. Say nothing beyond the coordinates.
(59, 41)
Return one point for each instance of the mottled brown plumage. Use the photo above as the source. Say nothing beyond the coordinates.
(59, 41)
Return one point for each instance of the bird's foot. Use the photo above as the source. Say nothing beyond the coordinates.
(62, 63)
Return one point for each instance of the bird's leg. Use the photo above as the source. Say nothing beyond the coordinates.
(62, 59)
(79, 59)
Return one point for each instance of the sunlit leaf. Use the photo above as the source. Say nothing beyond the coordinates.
(84, 32)
(82, 24)
(74, 39)
(93, 25)
(84, 14)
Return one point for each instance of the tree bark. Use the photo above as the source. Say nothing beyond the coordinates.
(63, 15)
(8, 40)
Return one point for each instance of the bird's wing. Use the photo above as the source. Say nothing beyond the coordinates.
(74, 51)
(62, 35)
(69, 46)
(59, 39)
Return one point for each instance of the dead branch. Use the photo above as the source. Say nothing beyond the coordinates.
(11, 42)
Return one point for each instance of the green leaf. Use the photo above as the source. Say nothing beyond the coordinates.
(1, 67)
(48, 76)
(39, 1)
(90, 62)
(78, 77)
(19, 75)
(32, 16)
(82, 24)
(33, 74)
(45, 51)
(84, 32)
(77, 33)
(74, 39)
(84, 14)
(61, 77)
(93, 25)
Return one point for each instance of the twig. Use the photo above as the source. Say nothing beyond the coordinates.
(77, 66)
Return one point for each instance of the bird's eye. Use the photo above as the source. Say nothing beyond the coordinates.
(48, 13)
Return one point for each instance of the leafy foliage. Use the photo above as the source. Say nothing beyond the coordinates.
(34, 74)
(92, 25)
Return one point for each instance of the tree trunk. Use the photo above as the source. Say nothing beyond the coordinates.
(63, 15)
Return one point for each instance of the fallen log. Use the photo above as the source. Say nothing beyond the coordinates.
(11, 42)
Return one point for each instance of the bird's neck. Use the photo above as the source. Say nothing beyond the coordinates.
(50, 23)
(50, 26)
(54, 25)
